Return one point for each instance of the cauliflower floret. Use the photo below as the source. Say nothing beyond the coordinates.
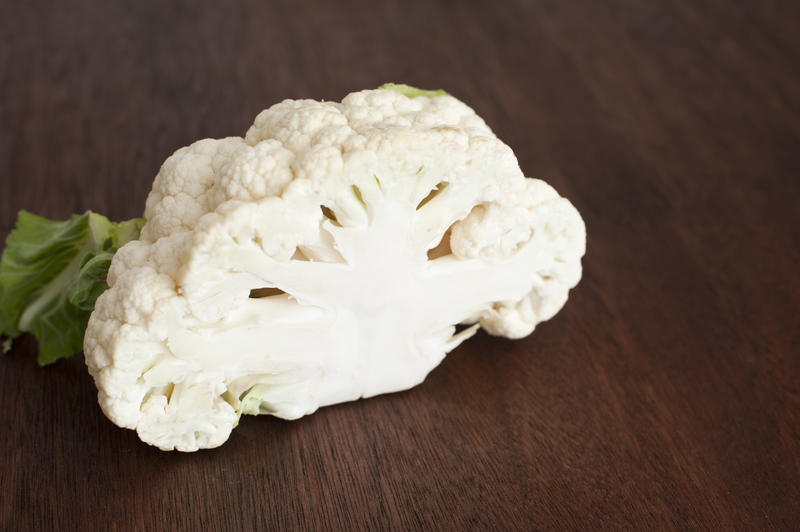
(327, 256)
(181, 190)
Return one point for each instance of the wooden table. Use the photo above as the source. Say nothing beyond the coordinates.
(666, 394)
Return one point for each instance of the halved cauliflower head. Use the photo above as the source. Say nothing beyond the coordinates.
(326, 256)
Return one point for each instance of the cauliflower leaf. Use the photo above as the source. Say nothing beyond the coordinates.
(412, 92)
(51, 273)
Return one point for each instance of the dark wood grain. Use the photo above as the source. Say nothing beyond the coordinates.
(666, 394)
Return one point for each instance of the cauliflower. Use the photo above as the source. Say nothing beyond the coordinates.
(337, 251)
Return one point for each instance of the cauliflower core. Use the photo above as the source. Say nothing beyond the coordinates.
(327, 256)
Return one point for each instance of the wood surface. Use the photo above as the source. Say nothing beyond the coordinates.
(665, 395)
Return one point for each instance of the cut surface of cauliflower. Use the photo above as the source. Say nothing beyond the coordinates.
(326, 256)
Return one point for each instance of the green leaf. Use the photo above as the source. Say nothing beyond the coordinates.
(90, 281)
(250, 402)
(123, 232)
(51, 273)
(412, 92)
